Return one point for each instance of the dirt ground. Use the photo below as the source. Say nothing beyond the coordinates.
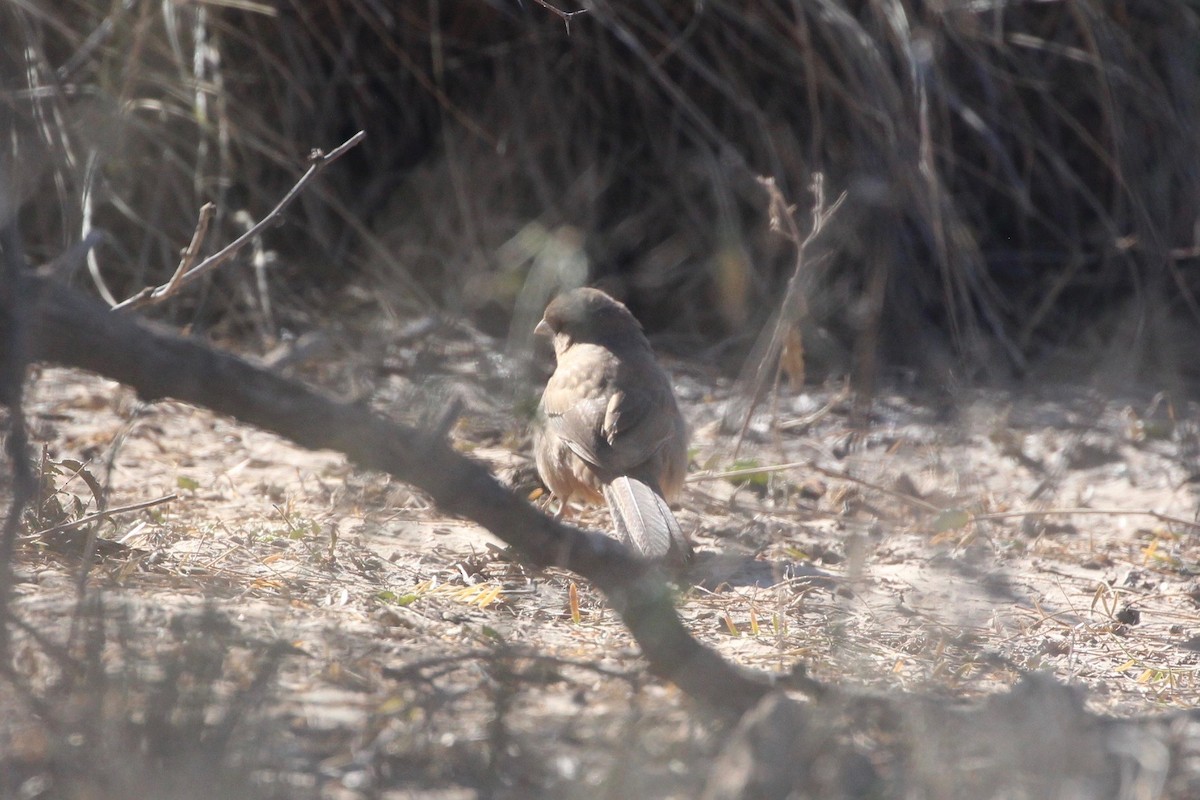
(289, 626)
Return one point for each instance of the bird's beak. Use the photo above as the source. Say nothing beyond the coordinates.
(543, 328)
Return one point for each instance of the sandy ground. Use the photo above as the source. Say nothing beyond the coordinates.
(321, 631)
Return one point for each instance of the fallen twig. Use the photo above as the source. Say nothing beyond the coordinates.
(105, 514)
(924, 505)
(70, 329)
(1107, 512)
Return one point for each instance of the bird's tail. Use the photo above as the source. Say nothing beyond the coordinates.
(643, 520)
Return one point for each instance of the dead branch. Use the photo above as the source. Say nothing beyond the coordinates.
(69, 329)
(793, 309)
(185, 273)
(14, 358)
(565, 16)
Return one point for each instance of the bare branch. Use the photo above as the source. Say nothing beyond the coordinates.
(765, 356)
(15, 321)
(192, 252)
(318, 160)
(565, 16)
(70, 329)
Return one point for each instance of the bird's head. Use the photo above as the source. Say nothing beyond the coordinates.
(588, 315)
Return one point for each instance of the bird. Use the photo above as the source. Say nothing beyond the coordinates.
(608, 427)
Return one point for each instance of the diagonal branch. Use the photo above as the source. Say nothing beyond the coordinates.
(69, 329)
(185, 273)
(14, 357)
(794, 307)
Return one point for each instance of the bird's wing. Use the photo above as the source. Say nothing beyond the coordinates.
(636, 426)
(615, 430)
(578, 425)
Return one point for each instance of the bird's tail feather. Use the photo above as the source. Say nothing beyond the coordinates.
(643, 519)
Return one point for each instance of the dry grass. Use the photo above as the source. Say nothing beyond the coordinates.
(371, 646)
(1018, 175)
(1021, 199)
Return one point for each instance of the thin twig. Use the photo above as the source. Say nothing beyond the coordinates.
(816, 416)
(917, 502)
(565, 16)
(794, 308)
(927, 506)
(317, 159)
(1107, 512)
(509, 653)
(106, 513)
(192, 252)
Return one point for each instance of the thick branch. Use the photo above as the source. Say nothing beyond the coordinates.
(69, 329)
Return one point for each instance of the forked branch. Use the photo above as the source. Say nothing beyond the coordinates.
(185, 273)
(764, 358)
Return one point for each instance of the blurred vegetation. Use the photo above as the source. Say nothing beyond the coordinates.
(1021, 178)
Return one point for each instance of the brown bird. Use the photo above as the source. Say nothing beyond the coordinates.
(609, 428)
